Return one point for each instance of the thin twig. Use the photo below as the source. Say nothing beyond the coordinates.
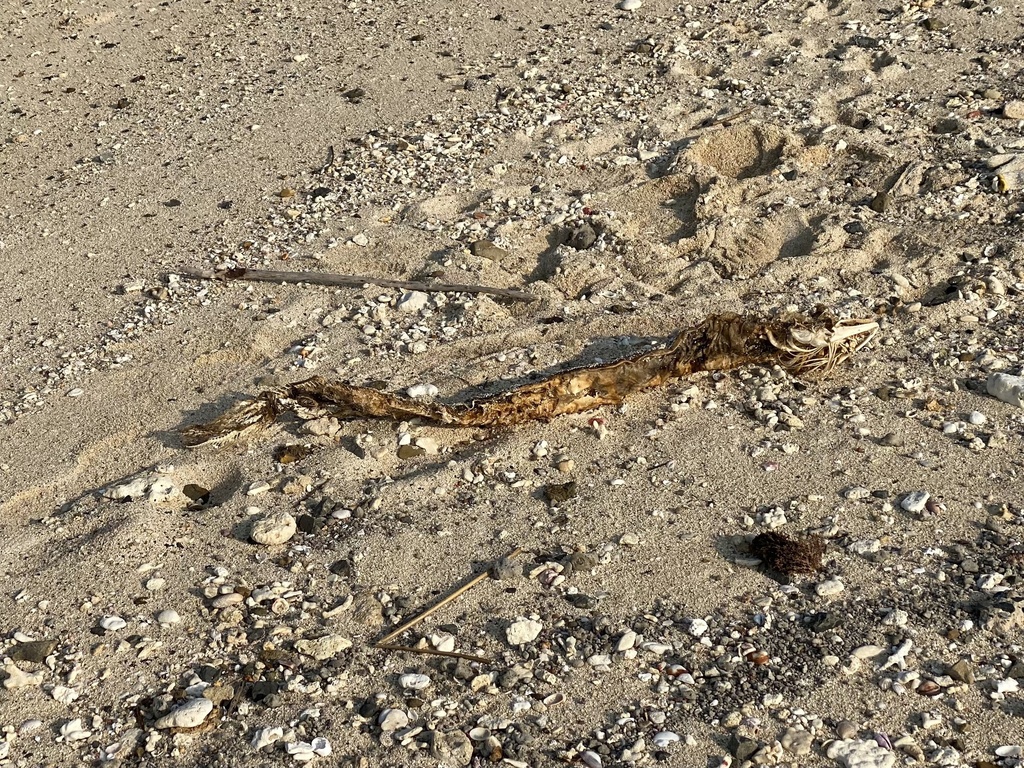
(353, 281)
(442, 603)
(435, 652)
(729, 118)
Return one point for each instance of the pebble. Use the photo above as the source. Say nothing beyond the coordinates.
(113, 623)
(591, 759)
(29, 726)
(188, 715)
(391, 720)
(865, 546)
(523, 631)
(1014, 110)
(856, 493)
(892, 440)
(664, 739)
(257, 487)
(273, 528)
(626, 642)
(413, 301)
(829, 588)
(414, 682)
(323, 648)
(861, 753)
(632, 5)
(846, 729)
(961, 671)
(797, 740)
(226, 600)
(35, 651)
(1009, 389)
(485, 249)
(698, 627)
(422, 390)
(977, 418)
(915, 501)
(451, 748)
(168, 616)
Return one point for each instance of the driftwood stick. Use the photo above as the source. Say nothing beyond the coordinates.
(441, 603)
(435, 652)
(353, 281)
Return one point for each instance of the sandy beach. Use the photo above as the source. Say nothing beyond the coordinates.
(635, 168)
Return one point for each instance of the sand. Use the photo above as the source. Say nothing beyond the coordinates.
(740, 157)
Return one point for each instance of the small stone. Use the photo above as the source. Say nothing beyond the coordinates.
(485, 249)
(977, 418)
(506, 569)
(188, 715)
(413, 301)
(64, 695)
(626, 642)
(881, 202)
(698, 627)
(451, 748)
(273, 528)
(629, 540)
(591, 759)
(257, 487)
(35, 651)
(797, 740)
(367, 610)
(410, 451)
(829, 588)
(865, 547)
(961, 672)
(113, 623)
(323, 648)
(1014, 110)
(584, 236)
(391, 720)
(742, 748)
(428, 444)
(846, 729)
(629, 5)
(227, 600)
(663, 739)
(1009, 389)
(892, 440)
(856, 493)
(414, 682)
(915, 501)
(523, 631)
(422, 390)
(168, 616)
(861, 753)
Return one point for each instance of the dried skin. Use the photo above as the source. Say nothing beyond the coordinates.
(721, 342)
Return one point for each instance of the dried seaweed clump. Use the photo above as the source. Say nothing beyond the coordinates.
(803, 345)
(790, 556)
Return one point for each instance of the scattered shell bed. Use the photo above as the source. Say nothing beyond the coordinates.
(674, 166)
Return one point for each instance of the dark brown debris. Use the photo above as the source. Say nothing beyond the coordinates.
(790, 556)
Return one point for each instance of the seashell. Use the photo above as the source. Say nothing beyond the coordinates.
(479, 733)
(591, 759)
(553, 699)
